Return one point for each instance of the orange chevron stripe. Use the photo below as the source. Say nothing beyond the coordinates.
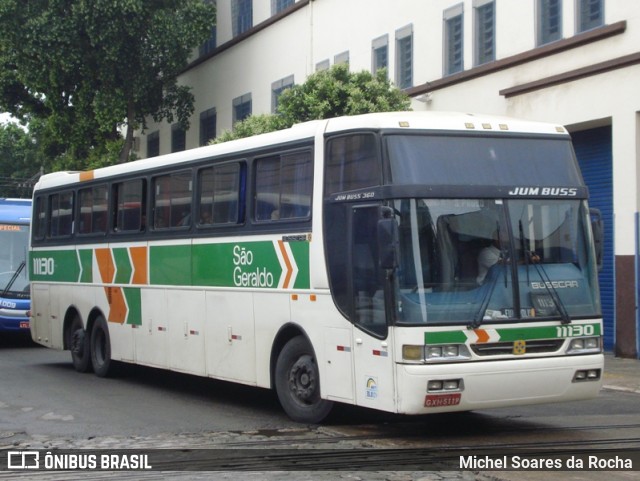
(139, 259)
(483, 336)
(117, 305)
(105, 265)
(287, 278)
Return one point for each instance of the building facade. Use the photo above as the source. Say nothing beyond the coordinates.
(571, 62)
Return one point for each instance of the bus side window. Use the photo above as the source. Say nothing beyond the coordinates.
(219, 190)
(352, 163)
(172, 200)
(92, 210)
(129, 206)
(283, 187)
(61, 214)
(39, 224)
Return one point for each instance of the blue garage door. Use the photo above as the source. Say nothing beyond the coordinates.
(593, 149)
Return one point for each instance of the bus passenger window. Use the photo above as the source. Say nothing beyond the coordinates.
(61, 215)
(219, 194)
(92, 210)
(283, 187)
(172, 200)
(129, 206)
(39, 222)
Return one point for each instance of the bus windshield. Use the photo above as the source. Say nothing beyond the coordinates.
(475, 260)
(13, 254)
(468, 160)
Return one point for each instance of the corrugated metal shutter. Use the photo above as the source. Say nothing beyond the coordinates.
(593, 149)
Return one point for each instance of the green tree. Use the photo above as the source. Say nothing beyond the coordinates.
(326, 94)
(89, 69)
(20, 161)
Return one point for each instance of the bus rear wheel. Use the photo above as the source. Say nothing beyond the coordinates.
(298, 383)
(78, 344)
(101, 348)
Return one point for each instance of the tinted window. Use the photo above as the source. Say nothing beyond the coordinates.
(219, 190)
(92, 206)
(129, 207)
(352, 163)
(458, 160)
(283, 186)
(172, 200)
(61, 214)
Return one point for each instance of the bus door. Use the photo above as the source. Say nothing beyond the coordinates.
(369, 289)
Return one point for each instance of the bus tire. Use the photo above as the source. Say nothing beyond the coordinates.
(101, 348)
(298, 383)
(78, 343)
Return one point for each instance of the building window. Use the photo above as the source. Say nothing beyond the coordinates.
(241, 15)
(153, 144)
(178, 138)
(324, 65)
(453, 38)
(241, 107)
(380, 53)
(208, 120)
(279, 5)
(210, 44)
(404, 57)
(341, 58)
(277, 88)
(485, 31)
(549, 21)
(590, 14)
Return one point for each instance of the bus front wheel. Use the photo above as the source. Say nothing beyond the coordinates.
(101, 348)
(298, 383)
(78, 344)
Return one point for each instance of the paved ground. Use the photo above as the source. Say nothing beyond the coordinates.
(620, 375)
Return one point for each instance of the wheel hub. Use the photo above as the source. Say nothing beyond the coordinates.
(302, 379)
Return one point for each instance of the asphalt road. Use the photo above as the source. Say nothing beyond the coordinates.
(45, 404)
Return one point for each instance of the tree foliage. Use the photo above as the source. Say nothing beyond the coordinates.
(326, 94)
(19, 161)
(87, 68)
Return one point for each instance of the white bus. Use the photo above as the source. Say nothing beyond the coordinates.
(341, 260)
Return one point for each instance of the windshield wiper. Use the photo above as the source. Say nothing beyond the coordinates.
(13, 279)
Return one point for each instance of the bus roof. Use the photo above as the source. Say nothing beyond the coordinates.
(15, 210)
(443, 121)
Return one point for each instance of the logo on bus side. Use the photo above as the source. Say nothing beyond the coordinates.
(545, 191)
(43, 266)
(258, 277)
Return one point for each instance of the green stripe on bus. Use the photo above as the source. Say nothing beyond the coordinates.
(134, 303)
(445, 337)
(548, 332)
(170, 265)
(123, 265)
(300, 251)
(86, 264)
(58, 266)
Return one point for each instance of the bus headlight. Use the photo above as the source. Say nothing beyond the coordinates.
(439, 353)
(583, 345)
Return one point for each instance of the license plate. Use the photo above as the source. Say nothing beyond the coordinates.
(24, 324)
(440, 400)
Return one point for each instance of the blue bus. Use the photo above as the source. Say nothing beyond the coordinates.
(15, 297)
